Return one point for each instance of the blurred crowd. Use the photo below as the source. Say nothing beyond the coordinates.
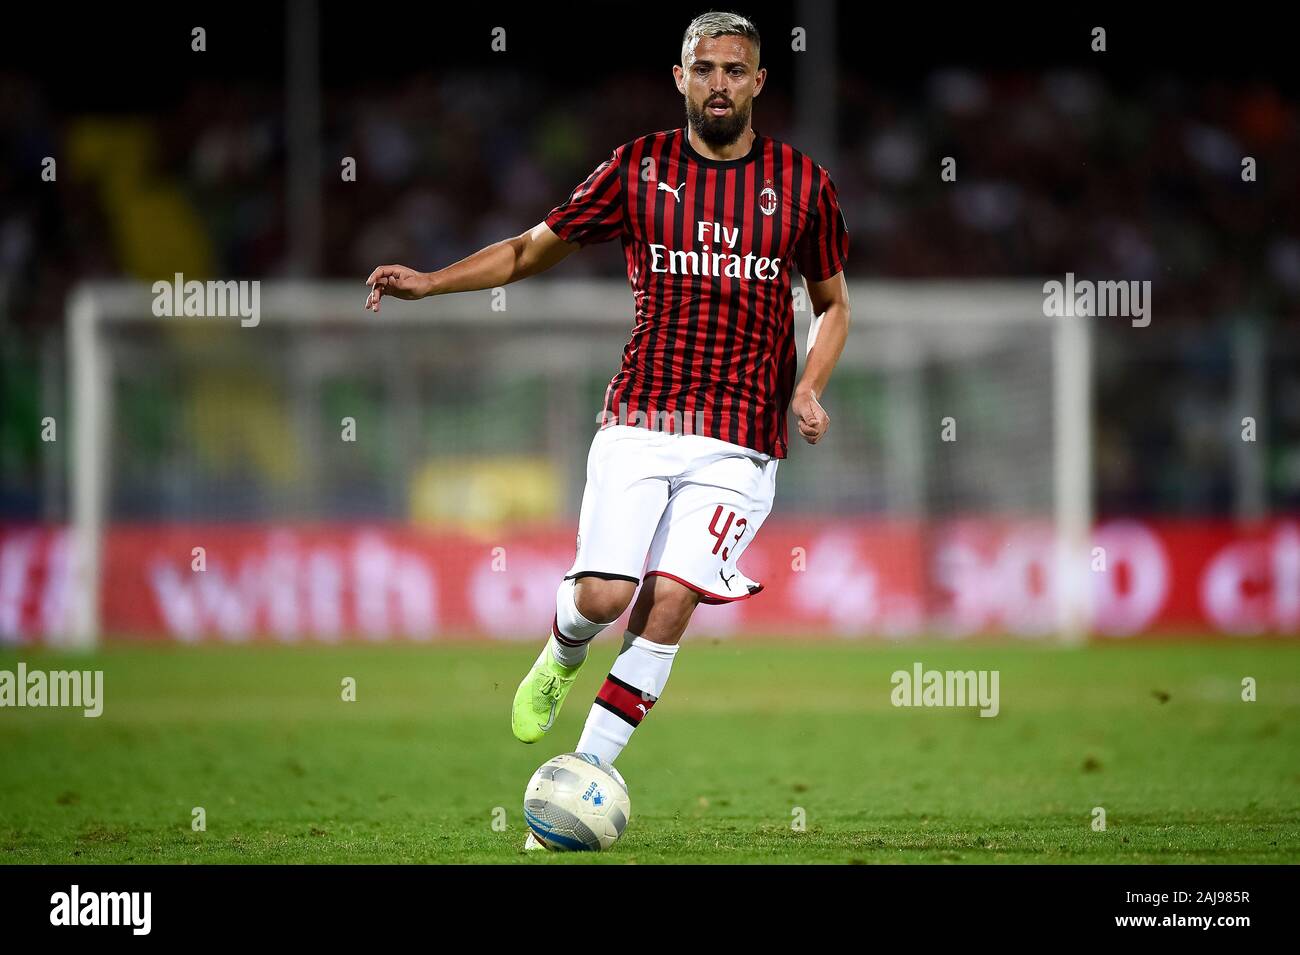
(1054, 173)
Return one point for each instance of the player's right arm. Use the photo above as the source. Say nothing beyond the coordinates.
(499, 264)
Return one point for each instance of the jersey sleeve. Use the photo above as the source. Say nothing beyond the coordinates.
(594, 210)
(824, 247)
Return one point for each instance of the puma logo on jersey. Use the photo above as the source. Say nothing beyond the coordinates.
(727, 580)
(667, 188)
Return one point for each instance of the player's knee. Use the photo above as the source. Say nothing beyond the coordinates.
(602, 601)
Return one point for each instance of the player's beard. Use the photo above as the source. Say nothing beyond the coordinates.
(719, 131)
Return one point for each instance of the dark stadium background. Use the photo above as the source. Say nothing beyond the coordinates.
(1129, 192)
(1117, 165)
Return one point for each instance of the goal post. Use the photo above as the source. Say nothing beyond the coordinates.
(88, 405)
(1072, 452)
(481, 375)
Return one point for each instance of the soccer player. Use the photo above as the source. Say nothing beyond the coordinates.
(681, 474)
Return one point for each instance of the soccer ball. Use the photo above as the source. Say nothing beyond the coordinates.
(577, 803)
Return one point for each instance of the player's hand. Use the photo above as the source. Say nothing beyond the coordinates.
(397, 281)
(812, 417)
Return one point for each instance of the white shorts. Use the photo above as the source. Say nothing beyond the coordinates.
(682, 506)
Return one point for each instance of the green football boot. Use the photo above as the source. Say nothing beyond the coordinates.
(540, 696)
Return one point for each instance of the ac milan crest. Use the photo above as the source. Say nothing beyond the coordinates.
(767, 198)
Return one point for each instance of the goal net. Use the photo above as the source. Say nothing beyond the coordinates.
(311, 475)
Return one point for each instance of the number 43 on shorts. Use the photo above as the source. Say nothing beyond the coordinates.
(720, 530)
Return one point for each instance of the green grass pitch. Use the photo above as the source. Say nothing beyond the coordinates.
(745, 736)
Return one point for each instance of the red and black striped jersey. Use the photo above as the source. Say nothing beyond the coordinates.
(709, 244)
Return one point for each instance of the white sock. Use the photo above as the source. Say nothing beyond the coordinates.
(571, 631)
(635, 681)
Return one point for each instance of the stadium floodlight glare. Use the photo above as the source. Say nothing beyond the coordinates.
(929, 349)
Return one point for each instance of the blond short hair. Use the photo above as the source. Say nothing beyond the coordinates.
(716, 23)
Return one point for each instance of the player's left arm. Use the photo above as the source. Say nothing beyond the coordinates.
(830, 308)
